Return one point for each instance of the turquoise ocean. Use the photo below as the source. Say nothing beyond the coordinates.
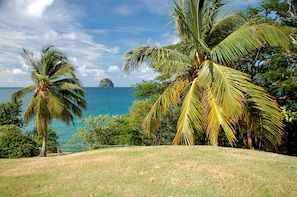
(101, 101)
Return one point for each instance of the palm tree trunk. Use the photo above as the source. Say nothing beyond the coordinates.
(43, 148)
(248, 141)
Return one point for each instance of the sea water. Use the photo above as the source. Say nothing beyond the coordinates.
(100, 101)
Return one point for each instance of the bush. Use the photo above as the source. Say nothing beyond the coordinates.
(9, 128)
(10, 113)
(105, 130)
(15, 144)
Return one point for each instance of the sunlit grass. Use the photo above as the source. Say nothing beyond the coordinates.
(152, 171)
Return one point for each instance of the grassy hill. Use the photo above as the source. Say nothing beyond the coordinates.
(152, 171)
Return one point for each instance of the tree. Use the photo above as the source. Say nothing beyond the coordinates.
(213, 96)
(273, 68)
(15, 144)
(58, 93)
(10, 113)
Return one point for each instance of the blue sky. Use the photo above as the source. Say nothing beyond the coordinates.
(94, 34)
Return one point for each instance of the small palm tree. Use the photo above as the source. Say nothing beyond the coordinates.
(57, 91)
(213, 96)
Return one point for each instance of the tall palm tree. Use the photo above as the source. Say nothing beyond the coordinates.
(213, 96)
(57, 91)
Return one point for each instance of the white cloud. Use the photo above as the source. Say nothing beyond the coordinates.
(143, 73)
(74, 59)
(35, 23)
(12, 77)
(91, 45)
(97, 73)
(17, 71)
(113, 69)
(82, 70)
(6, 76)
(70, 36)
(36, 7)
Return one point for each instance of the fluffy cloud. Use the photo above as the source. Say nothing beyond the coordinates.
(113, 69)
(12, 76)
(17, 71)
(35, 23)
(97, 73)
(143, 73)
(36, 7)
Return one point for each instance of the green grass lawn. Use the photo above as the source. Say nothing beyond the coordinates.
(152, 171)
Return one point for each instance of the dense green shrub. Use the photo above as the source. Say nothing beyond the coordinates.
(103, 131)
(10, 113)
(15, 144)
(8, 128)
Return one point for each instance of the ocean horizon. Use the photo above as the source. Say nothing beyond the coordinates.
(100, 101)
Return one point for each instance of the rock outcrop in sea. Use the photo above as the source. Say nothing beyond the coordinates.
(106, 83)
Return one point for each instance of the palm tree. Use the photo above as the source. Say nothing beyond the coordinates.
(213, 96)
(57, 91)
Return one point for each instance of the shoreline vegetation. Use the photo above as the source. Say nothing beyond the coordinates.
(152, 171)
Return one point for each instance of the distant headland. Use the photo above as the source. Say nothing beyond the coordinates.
(106, 83)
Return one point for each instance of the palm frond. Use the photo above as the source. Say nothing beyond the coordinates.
(190, 117)
(171, 96)
(30, 61)
(62, 83)
(229, 21)
(38, 78)
(248, 38)
(165, 60)
(73, 99)
(55, 105)
(190, 21)
(29, 112)
(19, 94)
(217, 118)
(65, 84)
(270, 123)
(62, 71)
(225, 83)
(211, 14)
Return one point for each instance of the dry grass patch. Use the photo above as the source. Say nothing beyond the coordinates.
(152, 171)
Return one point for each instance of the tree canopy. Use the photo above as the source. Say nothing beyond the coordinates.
(213, 95)
(58, 92)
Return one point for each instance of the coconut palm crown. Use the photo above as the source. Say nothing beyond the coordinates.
(57, 92)
(213, 96)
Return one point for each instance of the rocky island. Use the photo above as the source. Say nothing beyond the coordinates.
(106, 83)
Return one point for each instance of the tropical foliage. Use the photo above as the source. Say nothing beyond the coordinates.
(165, 133)
(15, 144)
(213, 95)
(275, 70)
(10, 113)
(57, 91)
(105, 130)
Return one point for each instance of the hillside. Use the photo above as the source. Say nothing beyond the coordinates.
(152, 171)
